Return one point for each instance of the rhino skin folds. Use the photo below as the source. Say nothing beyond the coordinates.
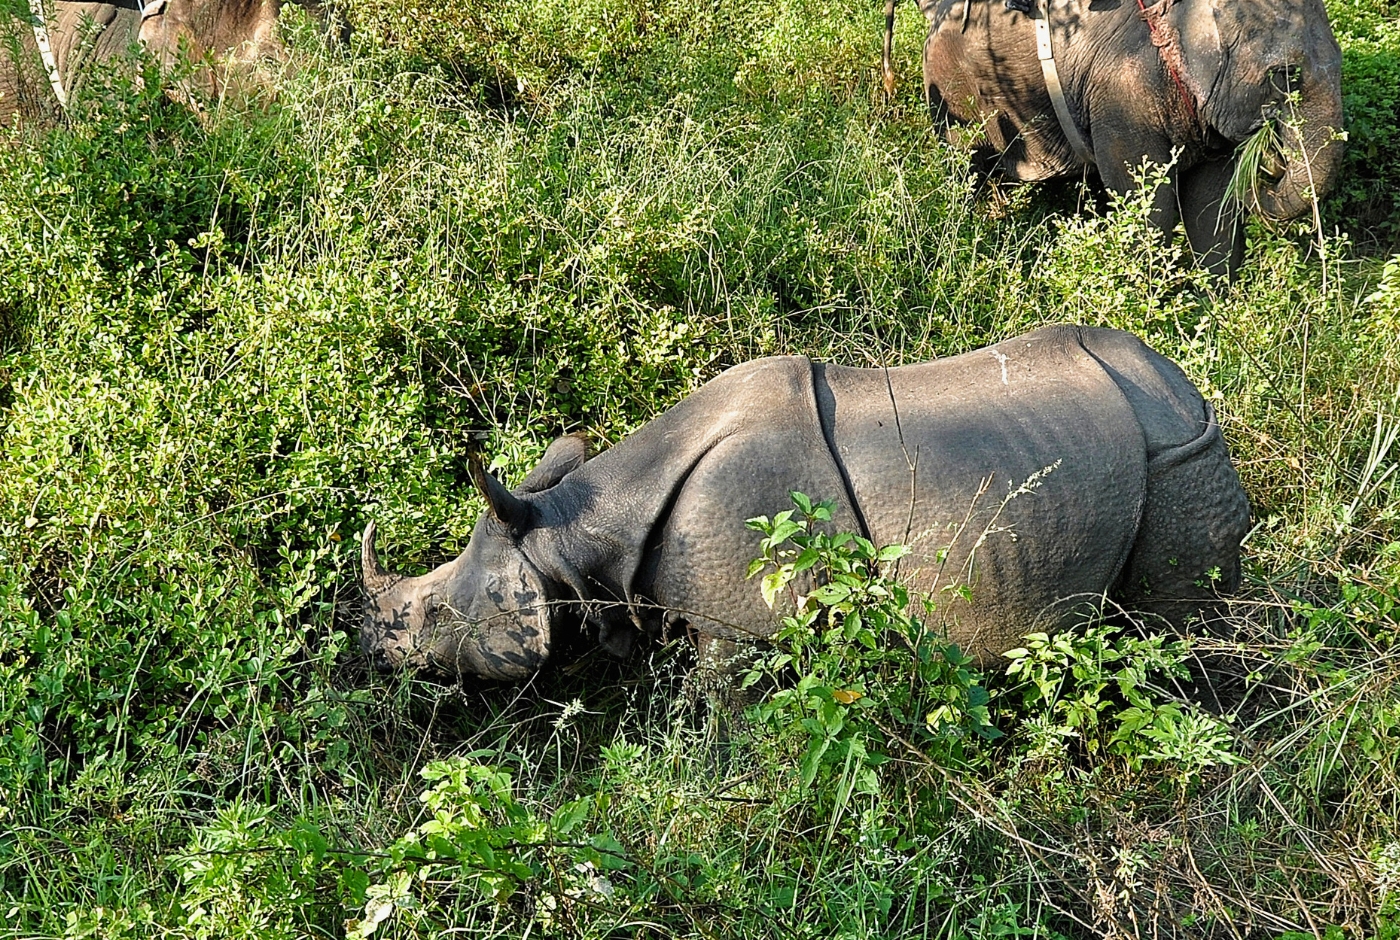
(1131, 497)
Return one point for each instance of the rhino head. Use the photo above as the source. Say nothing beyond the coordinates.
(490, 612)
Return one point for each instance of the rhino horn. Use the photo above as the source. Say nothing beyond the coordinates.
(376, 579)
(506, 507)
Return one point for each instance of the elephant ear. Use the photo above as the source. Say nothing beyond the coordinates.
(563, 457)
(1202, 53)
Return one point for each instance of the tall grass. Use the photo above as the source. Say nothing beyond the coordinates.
(229, 339)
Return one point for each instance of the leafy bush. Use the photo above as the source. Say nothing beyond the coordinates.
(481, 844)
(868, 674)
(1075, 678)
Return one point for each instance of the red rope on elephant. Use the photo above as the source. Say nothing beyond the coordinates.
(1153, 18)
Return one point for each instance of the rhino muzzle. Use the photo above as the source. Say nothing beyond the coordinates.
(486, 615)
(385, 640)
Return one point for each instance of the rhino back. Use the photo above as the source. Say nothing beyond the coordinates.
(1168, 406)
(1028, 463)
(952, 456)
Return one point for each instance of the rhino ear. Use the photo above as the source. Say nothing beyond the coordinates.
(508, 509)
(562, 458)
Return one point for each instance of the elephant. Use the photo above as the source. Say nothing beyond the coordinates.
(1036, 477)
(1109, 84)
(227, 37)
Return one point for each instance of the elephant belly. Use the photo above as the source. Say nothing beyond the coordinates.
(980, 64)
(87, 34)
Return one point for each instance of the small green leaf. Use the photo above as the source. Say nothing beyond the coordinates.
(892, 552)
(774, 582)
(567, 817)
(784, 530)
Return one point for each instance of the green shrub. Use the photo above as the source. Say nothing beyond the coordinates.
(868, 674)
(1094, 688)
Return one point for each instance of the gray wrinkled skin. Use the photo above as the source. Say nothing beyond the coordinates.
(228, 37)
(1241, 62)
(1054, 469)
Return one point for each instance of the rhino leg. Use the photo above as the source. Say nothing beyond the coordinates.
(721, 663)
(1187, 550)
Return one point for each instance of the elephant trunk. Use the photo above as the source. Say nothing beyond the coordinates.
(1306, 158)
(1305, 166)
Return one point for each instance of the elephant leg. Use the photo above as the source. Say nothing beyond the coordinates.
(1120, 162)
(937, 107)
(1215, 231)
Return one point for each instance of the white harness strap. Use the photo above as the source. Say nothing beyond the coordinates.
(1052, 83)
(41, 39)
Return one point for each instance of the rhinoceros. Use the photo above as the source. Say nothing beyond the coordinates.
(1067, 467)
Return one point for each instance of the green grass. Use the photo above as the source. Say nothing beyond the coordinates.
(227, 341)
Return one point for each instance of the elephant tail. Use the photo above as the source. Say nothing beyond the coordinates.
(887, 51)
